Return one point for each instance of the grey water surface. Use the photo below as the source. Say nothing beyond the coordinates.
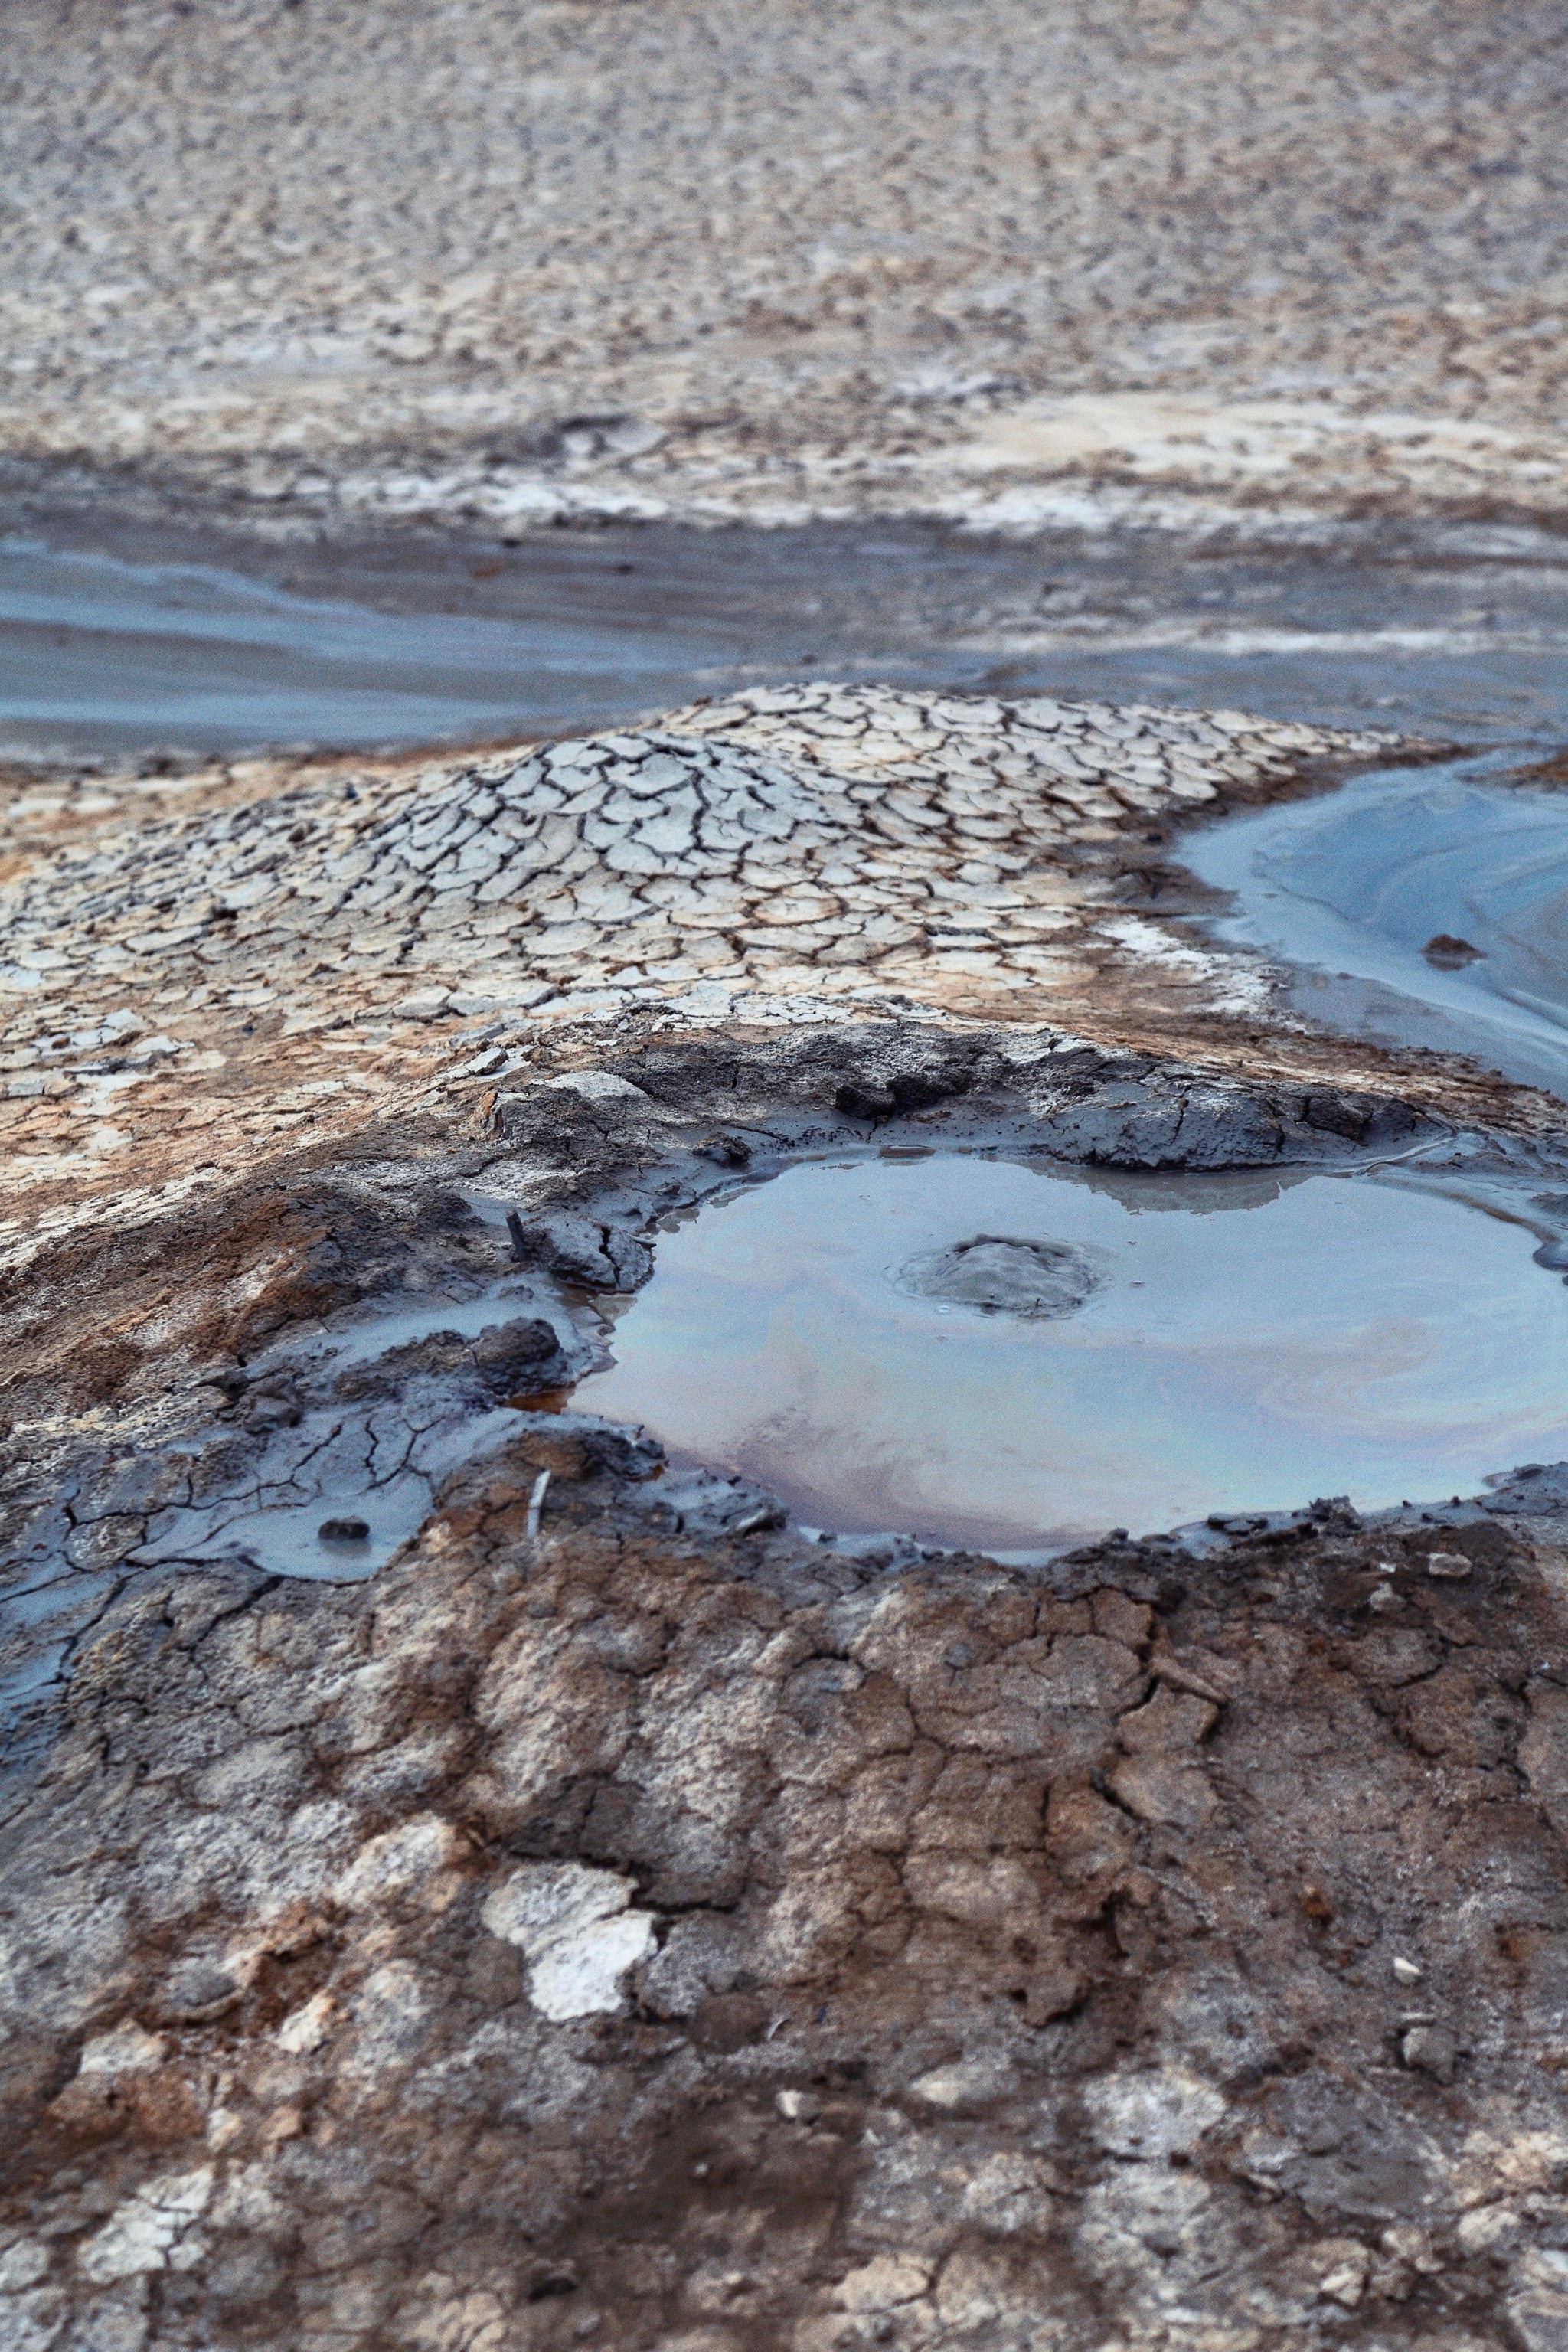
(1199, 1343)
(1424, 906)
(120, 637)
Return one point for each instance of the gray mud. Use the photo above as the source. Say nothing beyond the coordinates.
(121, 630)
(431, 1336)
(622, 1919)
(1418, 909)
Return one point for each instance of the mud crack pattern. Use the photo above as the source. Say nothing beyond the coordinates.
(193, 989)
(701, 259)
(611, 1936)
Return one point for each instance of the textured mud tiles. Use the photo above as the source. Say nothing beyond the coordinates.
(809, 835)
(186, 994)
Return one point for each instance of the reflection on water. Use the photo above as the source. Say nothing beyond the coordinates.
(1251, 1342)
(1355, 886)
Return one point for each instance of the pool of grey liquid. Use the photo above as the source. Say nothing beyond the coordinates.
(1424, 907)
(118, 637)
(1017, 1355)
(373, 1467)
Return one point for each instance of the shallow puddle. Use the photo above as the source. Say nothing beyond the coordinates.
(1425, 908)
(1015, 1355)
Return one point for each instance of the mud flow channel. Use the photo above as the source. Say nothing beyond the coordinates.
(118, 637)
(1426, 908)
(1015, 1355)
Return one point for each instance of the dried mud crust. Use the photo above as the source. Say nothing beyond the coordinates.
(624, 1936)
(702, 259)
(292, 958)
(659, 1930)
(654, 1929)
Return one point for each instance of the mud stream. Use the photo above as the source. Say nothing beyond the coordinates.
(118, 636)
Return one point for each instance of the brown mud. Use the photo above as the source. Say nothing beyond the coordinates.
(1167, 1949)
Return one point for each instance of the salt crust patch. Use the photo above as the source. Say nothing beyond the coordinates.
(129, 2049)
(1161, 2114)
(596, 1086)
(143, 2234)
(579, 1936)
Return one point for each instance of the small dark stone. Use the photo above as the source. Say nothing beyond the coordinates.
(911, 1090)
(553, 2282)
(1450, 953)
(198, 1990)
(519, 1358)
(919, 1089)
(729, 1151)
(1430, 2050)
(343, 1530)
(271, 1407)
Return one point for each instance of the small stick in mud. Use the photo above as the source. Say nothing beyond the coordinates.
(514, 1227)
(536, 1504)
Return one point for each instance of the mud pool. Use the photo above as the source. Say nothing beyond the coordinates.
(1426, 908)
(992, 1352)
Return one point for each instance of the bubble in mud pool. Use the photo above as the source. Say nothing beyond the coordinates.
(1003, 1276)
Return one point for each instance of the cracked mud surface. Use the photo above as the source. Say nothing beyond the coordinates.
(571, 262)
(650, 1927)
(576, 1909)
(710, 1941)
(374, 938)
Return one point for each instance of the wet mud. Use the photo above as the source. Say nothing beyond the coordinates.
(475, 1877)
(128, 631)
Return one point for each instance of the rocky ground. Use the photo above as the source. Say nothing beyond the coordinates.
(1016, 266)
(617, 1919)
